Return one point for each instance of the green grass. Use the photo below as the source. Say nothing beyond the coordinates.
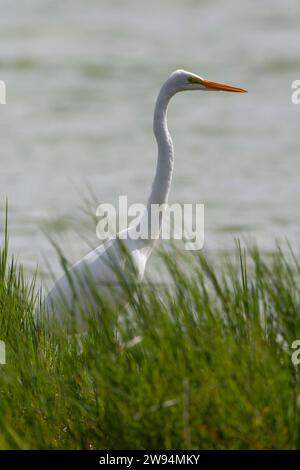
(201, 362)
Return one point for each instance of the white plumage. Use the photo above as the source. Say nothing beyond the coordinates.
(98, 269)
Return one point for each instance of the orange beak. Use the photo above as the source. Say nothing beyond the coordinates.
(217, 86)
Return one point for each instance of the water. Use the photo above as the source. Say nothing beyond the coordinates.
(82, 78)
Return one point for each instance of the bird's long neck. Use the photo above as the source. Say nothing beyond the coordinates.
(151, 220)
(165, 159)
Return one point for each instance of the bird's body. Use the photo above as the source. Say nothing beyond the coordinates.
(97, 272)
(100, 270)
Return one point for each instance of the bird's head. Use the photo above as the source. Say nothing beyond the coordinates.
(181, 80)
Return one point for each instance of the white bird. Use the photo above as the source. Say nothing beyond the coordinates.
(95, 272)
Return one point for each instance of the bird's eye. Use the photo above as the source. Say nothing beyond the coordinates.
(196, 80)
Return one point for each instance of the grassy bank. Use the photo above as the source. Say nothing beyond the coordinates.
(203, 362)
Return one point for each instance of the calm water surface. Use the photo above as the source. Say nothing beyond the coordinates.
(82, 78)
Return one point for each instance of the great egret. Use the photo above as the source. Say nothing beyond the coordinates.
(73, 288)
